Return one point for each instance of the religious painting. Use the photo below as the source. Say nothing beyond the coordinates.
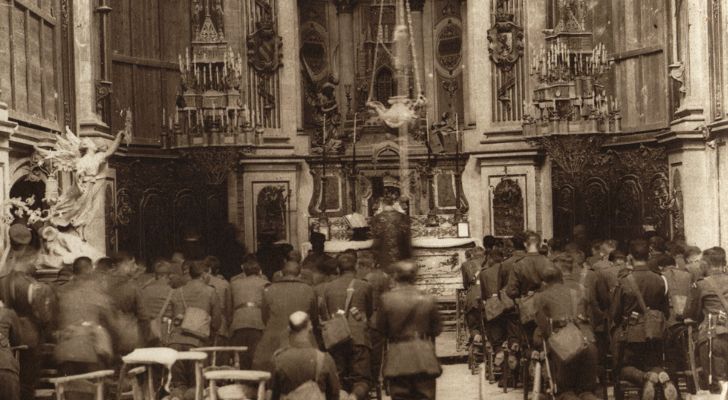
(271, 211)
(445, 191)
(508, 208)
(330, 201)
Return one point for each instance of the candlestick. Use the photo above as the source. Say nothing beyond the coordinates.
(164, 114)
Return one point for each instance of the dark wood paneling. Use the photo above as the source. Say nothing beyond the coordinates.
(5, 62)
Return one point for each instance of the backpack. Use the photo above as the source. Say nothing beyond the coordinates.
(309, 390)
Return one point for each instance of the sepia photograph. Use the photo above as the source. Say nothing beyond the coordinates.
(363, 199)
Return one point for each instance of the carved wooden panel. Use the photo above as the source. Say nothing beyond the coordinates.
(616, 194)
(508, 209)
(164, 197)
(439, 271)
(271, 211)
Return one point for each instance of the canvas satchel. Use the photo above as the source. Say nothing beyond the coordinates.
(569, 341)
(650, 324)
(498, 302)
(195, 321)
(156, 326)
(336, 331)
(527, 308)
(309, 390)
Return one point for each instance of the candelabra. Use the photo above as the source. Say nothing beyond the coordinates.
(210, 110)
(569, 97)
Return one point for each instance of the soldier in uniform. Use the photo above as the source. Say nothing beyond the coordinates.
(513, 325)
(559, 304)
(637, 358)
(524, 278)
(23, 256)
(222, 288)
(9, 368)
(492, 279)
(381, 283)
(300, 362)
(198, 294)
(152, 298)
(86, 322)
(280, 300)
(707, 305)
(353, 358)
(678, 282)
(471, 283)
(693, 262)
(410, 321)
(247, 296)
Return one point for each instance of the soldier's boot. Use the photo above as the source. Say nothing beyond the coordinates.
(648, 390)
(668, 387)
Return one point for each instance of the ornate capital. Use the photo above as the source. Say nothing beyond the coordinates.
(345, 6)
(417, 5)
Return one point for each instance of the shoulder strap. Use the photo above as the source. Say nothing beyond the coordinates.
(718, 293)
(182, 294)
(166, 303)
(349, 295)
(319, 365)
(636, 289)
(574, 303)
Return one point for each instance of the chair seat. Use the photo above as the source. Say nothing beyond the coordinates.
(237, 375)
(161, 355)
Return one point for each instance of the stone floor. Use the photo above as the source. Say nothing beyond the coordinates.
(457, 383)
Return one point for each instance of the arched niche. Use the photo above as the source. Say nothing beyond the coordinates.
(509, 216)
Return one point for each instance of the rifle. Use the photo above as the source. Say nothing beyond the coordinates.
(691, 356)
(552, 384)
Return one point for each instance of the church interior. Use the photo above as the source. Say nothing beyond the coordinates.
(245, 123)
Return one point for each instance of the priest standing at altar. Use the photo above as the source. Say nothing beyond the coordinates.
(392, 235)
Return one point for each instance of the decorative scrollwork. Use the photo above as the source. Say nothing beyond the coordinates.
(215, 162)
(571, 152)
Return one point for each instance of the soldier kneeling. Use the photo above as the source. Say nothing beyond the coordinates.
(561, 315)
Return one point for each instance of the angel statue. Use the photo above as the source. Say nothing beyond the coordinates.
(77, 205)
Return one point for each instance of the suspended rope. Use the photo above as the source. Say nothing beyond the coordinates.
(403, 110)
(376, 51)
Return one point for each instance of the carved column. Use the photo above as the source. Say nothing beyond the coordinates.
(697, 66)
(290, 87)
(345, 11)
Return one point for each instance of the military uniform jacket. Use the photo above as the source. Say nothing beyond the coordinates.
(280, 300)
(222, 289)
(703, 301)
(85, 321)
(560, 303)
(152, 297)
(381, 283)
(652, 287)
(247, 300)
(525, 276)
(124, 292)
(295, 365)
(471, 270)
(607, 275)
(9, 336)
(335, 299)
(679, 282)
(408, 313)
(196, 293)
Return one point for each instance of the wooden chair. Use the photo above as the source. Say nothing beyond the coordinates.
(96, 378)
(149, 357)
(213, 351)
(259, 377)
